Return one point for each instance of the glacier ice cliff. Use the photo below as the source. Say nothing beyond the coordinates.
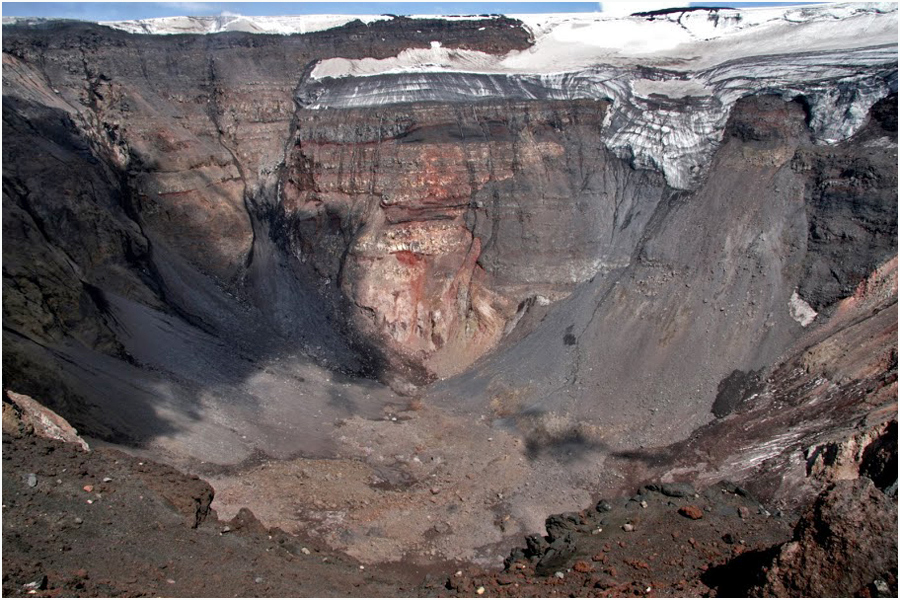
(676, 135)
(666, 118)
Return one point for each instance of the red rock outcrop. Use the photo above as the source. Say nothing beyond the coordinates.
(23, 414)
(439, 221)
(844, 545)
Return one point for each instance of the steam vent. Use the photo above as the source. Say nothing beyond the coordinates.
(575, 304)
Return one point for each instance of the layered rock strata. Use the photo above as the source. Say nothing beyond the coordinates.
(439, 221)
(222, 222)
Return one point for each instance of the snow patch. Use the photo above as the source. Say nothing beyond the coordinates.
(285, 25)
(681, 41)
(801, 312)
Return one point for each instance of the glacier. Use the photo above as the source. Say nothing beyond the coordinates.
(671, 80)
(676, 135)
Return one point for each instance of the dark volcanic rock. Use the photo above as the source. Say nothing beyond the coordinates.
(557, 556)
(879, 460)
(559, 526)
(851, 195)
(133, 538)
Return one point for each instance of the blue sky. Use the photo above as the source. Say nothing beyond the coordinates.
(100, 11)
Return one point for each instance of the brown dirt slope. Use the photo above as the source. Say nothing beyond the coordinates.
(144, 529)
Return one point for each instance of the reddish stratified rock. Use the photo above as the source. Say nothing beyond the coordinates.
(410, 209)
(846, 541)
(691, 512)
(21, 413)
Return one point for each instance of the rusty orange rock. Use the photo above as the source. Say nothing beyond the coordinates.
(691, 512)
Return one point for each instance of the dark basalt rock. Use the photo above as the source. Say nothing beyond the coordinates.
(559, 526)
(557, 555)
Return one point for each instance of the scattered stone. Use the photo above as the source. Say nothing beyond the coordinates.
(442, 528)
(305, 550)
(643, 504)
(226, 529)
(561, 525)
(603, 506)
(435, 490)
(557, 555)
(628, 527)
(744, 512)
(691, 512)
(32, 480)
(881, 589)
(673, 490)
(79, 520)
(637, 564)
(733, 488)
(605, 583)
(480, 590)
(38, 584)
(107, 479)
(88, 488)
(728, 538)
(246, 521)
(559, 575)
(582, 567)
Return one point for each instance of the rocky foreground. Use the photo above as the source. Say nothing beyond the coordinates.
(81, 522)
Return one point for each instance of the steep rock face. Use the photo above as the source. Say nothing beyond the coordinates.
(439, 221)
(709, 292)
(198, 122)
(849, 198)
(245, 207)
(163, 155)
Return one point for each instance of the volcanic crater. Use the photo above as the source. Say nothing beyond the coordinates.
(404, 287)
